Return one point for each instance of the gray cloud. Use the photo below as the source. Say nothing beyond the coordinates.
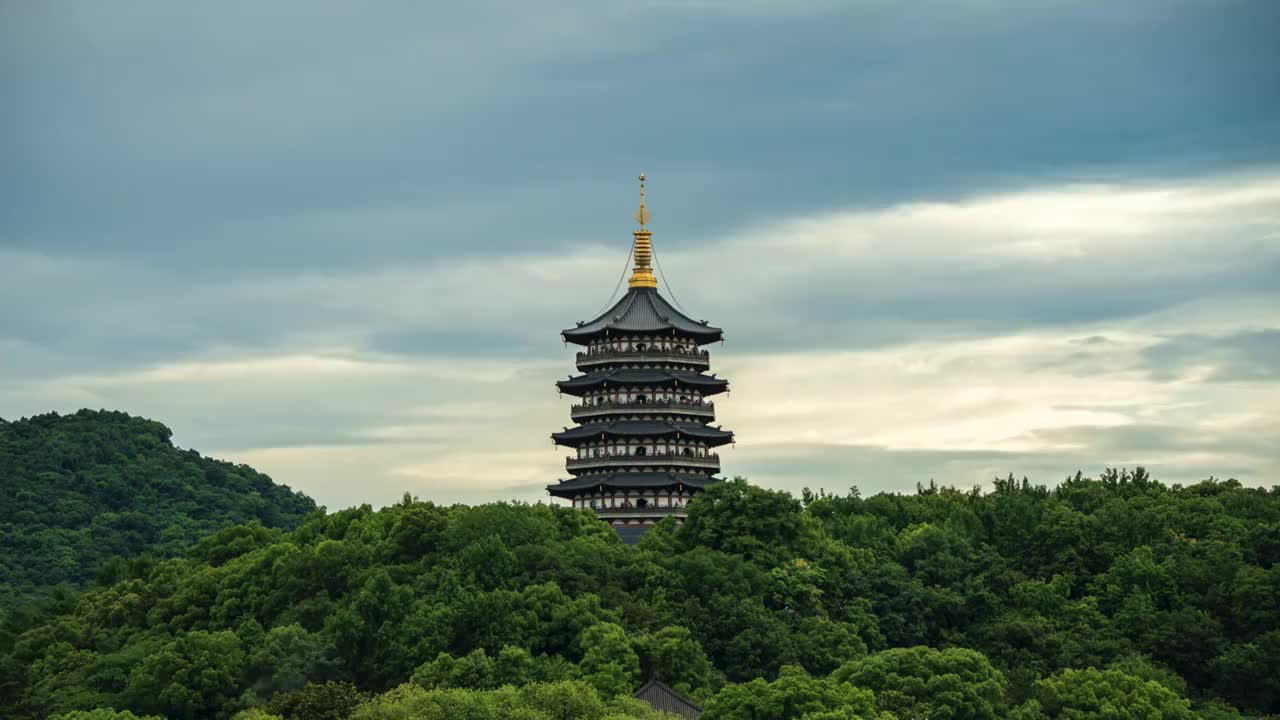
(1252, 356)
(1169, 452)
(235, 140)
(859, 280)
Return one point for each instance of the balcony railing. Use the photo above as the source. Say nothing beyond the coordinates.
(694, 357)
(650, 510)
(711, 460)
(693, 407)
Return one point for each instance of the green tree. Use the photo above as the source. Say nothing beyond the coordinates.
(608, 661)
(514, 666)
(82, 489)
(1093, 693)
(103, 714)
(821, 645)
(739, 518)
(674, 656)
(1163, 584)
(1249, 673)
(537, 701)
(952, 684)
(255, 714)
(795, 694)
(194, 676)
(474, 670)
(328, 701)
(286, 658)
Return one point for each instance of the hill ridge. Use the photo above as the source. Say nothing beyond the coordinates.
(78, 489)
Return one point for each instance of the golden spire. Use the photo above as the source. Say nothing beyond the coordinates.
(641, 274)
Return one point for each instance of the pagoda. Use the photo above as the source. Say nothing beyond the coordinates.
(644, 444)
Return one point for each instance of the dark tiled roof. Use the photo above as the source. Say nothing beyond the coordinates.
(662, 698)
(643, 310)
(642, 428)
(566, 488)
(707, 384)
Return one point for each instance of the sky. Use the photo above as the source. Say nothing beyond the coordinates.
(947, 240)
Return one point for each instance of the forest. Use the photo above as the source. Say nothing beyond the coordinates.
(1109, 597)
(78, 490)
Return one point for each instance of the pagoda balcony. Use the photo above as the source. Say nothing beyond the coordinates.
(698, 408)
(592, 358)
(710, 460)
(652, 511)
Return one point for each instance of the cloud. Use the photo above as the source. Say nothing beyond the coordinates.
(874, 469)
(230, 139)
(844, 279)
(943, 239)
(905, 343)
(1248, 356)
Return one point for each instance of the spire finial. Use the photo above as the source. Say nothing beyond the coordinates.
(642, 215)
(642, 275)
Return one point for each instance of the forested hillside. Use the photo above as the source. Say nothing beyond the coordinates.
(1118, 597)
(80, 489)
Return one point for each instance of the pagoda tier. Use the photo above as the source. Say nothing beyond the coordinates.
(644, 446)
(642, 311)
(604, 483)
(629, 430)
(661, 461)
(601, 408)
(610, 356)
(634, 500)
(677, 383)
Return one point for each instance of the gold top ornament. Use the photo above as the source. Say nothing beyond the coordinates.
(642, 251)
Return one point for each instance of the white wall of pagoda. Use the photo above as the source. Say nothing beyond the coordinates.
(640, 344)
(634, 499)
(639, 394)
(615, 448)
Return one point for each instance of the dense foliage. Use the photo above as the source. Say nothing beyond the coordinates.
(1118, 597)
(79, 489)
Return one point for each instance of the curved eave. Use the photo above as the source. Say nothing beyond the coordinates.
(703, 336)
(629, 378)
(714, 437)
(642, 311)
(629, 481)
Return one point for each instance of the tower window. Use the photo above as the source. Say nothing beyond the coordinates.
(641, 450)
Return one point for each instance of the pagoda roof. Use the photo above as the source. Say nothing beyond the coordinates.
(663, 698)
(630, 480)
(642, 428)
(706, 383)
(642, 310)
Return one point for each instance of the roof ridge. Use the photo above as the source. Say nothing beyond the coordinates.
(654, 314)
(653, 305)
(655, 682)
(630, 300)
